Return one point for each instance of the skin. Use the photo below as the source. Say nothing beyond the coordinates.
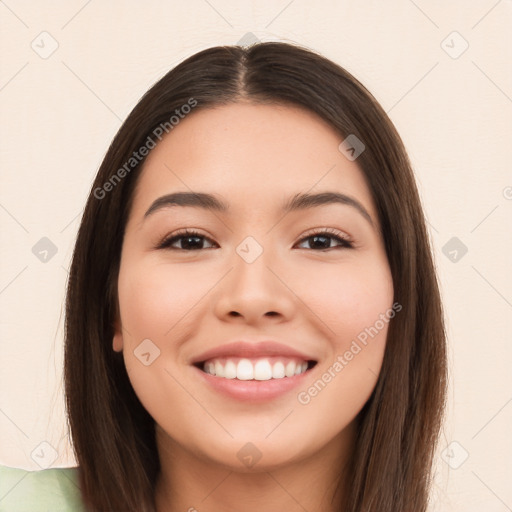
(296, 292)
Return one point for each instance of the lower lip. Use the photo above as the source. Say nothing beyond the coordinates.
(253, 390)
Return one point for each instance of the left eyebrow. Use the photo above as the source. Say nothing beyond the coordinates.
(305, 201)
(300, 201)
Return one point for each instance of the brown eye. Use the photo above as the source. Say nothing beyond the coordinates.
(190, 241)
(321, 240)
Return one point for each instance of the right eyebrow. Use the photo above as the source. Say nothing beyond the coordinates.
(194, 199)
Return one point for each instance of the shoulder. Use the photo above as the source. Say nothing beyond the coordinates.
(54, 489)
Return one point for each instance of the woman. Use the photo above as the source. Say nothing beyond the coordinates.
(253, 320)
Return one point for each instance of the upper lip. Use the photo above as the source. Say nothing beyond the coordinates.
(248, 350)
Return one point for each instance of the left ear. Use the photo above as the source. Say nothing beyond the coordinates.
(117, 340)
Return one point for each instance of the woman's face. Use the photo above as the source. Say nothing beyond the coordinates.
(253, 296)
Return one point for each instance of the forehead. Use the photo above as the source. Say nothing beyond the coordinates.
(253, 154)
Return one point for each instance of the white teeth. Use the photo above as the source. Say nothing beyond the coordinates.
(301, 368)
(230, 370)
(290, 369)
(244, 370)
(260, 369)
(219, 369)
(278, 370)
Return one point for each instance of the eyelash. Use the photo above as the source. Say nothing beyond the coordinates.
(331, 232)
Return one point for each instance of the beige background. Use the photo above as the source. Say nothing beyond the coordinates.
(453, 109)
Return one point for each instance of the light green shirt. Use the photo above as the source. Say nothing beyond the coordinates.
(47, 490)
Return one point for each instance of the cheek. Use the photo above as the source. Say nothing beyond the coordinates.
(155, 300)
(156, 303)
(357, 307)
(348, 298)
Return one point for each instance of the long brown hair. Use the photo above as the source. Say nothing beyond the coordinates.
(112, 434)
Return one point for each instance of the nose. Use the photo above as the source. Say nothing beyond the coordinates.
(255, 292)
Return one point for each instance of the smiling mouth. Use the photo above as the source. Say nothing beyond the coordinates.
(255, 369)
